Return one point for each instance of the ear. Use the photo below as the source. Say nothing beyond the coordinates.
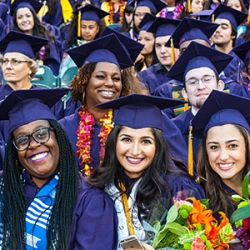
(221, 85)
(184, 93)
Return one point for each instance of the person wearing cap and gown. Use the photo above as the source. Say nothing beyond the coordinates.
(19, 66)
(82, 30)
(222, 124)
(141, 7)
(147, 55)
(198, 68)
(25, 20)
(101, 77)
(137, 171)
(243, 52)
(4, 19)
(199, 31)
(155, 75)
(45, 201)
(225, 36)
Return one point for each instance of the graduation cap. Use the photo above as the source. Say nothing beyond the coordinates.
(133, 47)
(221, 108)
(196, 56)
(31, 4)
(154, 5)
(139, 111)
(22, 43)
(24, 106)
(243, 52)
(190, 29)
(204, 14)
(89, 13)
(147, 20)
(225, 12)
(104, 49)
(163, 26)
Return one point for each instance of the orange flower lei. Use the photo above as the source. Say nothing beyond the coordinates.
(84, 134)
(112, 11)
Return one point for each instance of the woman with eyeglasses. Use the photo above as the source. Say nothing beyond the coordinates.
(45, 201)
(18, 65)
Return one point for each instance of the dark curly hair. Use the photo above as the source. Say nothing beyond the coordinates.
(14, 202)
(79, 82)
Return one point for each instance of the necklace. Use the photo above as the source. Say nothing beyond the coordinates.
(112, 11)
(84, 134)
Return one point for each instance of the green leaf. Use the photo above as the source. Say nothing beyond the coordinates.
(240, 214)
(177, 228)
(157, 225)
(172, 214)
(204, 202)
(245, 184)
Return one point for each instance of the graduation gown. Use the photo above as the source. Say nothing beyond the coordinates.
(94, 219)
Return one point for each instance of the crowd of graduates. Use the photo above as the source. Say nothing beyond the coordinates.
(157, 112)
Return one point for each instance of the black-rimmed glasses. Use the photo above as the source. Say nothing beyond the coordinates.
(41, 136)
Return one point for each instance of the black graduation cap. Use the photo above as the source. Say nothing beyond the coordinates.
(154, 5)
(31, 4)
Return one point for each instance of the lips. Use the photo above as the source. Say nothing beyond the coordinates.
(133, 160)
(38, 157)
(107, 94)
(225, 167)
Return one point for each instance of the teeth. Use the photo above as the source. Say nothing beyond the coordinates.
(225, 165)
(38, 156)
(134, 160)
(107, 92)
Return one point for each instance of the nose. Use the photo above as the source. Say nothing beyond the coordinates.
(109, 82)
(223, 154)
(201, 85)
(135, 148)
(33, 143)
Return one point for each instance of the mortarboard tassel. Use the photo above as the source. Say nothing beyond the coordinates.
(190, 152)
(186, 106)
(212, 19)
(79, 24)
(172, 51)
(248, 17)
(189, 6)
(66, 10)
(43, 10)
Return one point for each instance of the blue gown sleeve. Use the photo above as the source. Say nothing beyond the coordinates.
(182, 186)
(95, 221)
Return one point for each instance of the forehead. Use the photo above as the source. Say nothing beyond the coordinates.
(222, 21)
(23, 10)
(162, 39)
(142, 9)
(107, 67)
(15, 55)
(144, 33)
(199, 72)
(88, 22)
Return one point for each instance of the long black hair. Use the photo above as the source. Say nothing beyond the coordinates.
(14, 202)
(152, 184)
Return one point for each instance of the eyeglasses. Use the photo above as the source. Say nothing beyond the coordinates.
(13, 62)
(207, 79)
(40, 136)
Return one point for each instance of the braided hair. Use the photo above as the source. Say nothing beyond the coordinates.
(13, 199)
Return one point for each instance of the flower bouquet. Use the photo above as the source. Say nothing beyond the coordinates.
(241, 217)
(190, 225)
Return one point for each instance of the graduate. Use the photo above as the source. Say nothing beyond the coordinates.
(222, 124)
(137, 171)
(45, 202)
(25, 20)
(19, 65)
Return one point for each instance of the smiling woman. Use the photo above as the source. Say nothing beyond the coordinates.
(45, 201)
(137, 171)
(101, 77)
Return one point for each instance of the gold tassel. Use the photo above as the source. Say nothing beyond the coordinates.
(43, 10)
(248, 17)
(172, 51)
(186, 107)
(79, 24)
(189, 6)
(190, 152)
(212, 18)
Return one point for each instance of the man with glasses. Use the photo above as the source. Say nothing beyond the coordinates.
(198, 68)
